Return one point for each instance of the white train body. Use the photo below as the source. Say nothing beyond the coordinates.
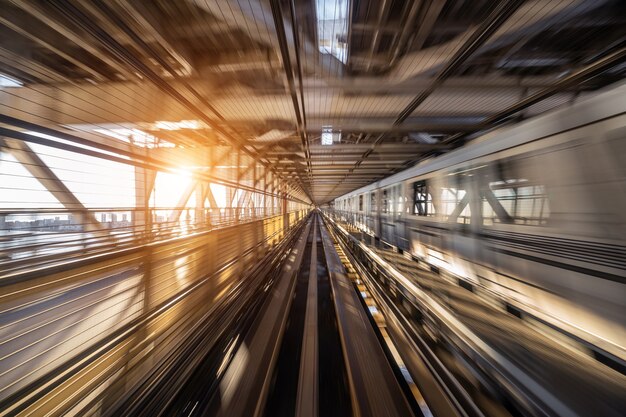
(536, 213)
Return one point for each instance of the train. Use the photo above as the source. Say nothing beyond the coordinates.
(535, 213)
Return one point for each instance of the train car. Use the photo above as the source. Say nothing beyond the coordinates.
(534, 212)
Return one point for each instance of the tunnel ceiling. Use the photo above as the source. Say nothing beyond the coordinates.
(396, 81)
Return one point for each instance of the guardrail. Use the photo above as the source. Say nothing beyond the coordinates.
(55, 235)
(83, 328)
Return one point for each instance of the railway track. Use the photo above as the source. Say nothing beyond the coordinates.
(297, 342)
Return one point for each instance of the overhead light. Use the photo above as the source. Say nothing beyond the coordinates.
(329, 137)
(6, 81)
(332, 28)
(183, 124)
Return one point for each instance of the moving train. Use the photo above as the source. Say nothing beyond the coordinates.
(535, 213)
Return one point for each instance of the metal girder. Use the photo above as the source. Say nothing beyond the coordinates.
(106, 104)
(459, 208)
(426, 60)
(118, 53)
(253, 17)
(48, 20)
(245, 196)
(182, 202)
(500, 14)
(612, 59)
(335, 170)
(134, 159)
(357, 126)
(406, 30)
(365, 85)
(144, 184)
(142, 20)
(347, 148)
(286, 58)
(495, 19)
(46, 177)
(427, 22)
(208, 194)
(383, 12)
(16, 65)
(496, 206)
(42, 41)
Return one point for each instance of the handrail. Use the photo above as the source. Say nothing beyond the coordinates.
(20, 276)
(38, 388)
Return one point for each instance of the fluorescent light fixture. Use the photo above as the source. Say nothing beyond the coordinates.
(6, 81)
(327, 135)
(332, 28)
(183, 124)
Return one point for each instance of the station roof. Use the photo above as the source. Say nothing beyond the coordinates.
(334, 94)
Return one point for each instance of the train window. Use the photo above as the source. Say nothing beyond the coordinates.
(617, 149)
(512, 198)
(385, 202)
(422, 199)
(400, 198)
(455, 198)
(361, 202)
(455, 204)
(373, 207)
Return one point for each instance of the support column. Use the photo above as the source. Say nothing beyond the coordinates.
(238, 208)
(200, 214)
(144, 183)
(182, 202)
(283, 207)
(46, 177)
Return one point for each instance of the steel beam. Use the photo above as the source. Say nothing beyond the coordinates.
(53, 184)
(500, 14)
(144, 184)
(182, 202)
(117, 53)
(286, 59)
(358, 126)
(495, 19)
(427, 22)
(383, 12)
(347, 148)
(615, 58)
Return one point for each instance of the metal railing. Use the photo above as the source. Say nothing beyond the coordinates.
(32, 237)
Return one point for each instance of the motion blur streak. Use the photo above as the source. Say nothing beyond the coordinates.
(311, 208)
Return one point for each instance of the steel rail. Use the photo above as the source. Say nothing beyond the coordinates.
(374, 388)
(267, 338)
(443, 395)
(308, 381)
